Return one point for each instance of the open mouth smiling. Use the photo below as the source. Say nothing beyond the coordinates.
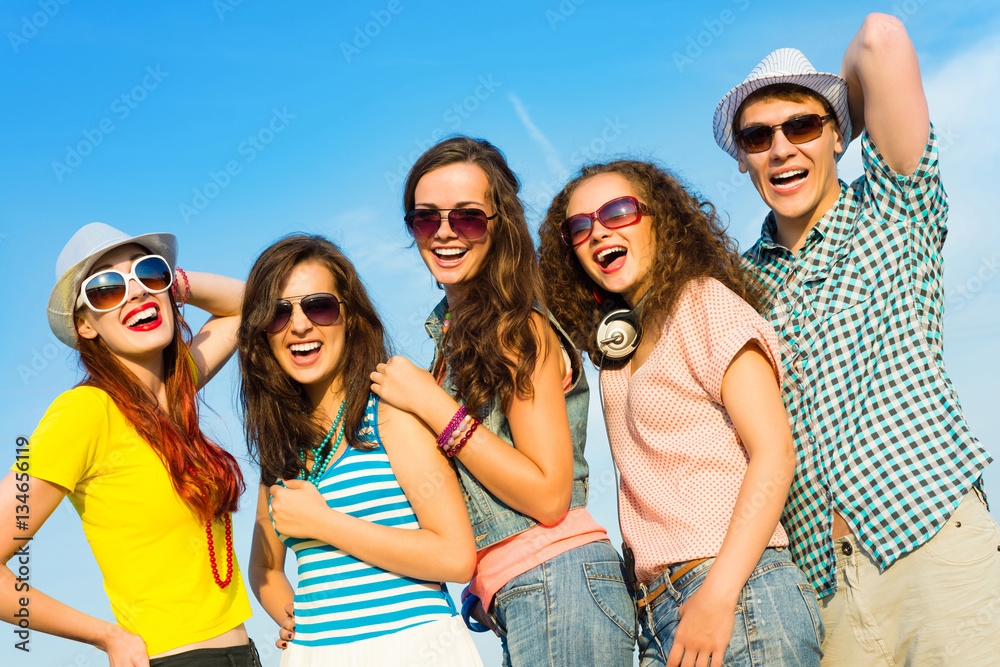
(607, 256)
(788, 179)
(304, 349)
(142, 316)
(449, 254)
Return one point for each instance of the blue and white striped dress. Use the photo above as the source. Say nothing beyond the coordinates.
(341, 599)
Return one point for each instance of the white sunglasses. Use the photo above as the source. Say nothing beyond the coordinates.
(108, 289)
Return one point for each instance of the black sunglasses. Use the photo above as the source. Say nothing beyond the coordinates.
(798, 130)
(321, 308)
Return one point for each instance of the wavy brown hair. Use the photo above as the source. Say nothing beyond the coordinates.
(691, 242)
(204, 475)
(278, 418)
(492, 344)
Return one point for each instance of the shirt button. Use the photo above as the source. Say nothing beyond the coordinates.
(847, 548)
(812, 439)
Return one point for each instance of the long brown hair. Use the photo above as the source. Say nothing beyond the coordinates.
(278, 417)
(691, 242)
(205, 476)
(492, 343)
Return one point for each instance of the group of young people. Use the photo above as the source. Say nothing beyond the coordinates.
(797, 481)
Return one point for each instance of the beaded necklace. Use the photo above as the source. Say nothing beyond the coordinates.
(319, 467)
(229, 551)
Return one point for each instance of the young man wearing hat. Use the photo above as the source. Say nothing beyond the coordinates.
(886, 513)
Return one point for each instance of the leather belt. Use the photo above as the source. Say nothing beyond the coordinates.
(681, 571)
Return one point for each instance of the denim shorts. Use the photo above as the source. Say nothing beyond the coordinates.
(244, 655)
(777, 616)
(574, 609)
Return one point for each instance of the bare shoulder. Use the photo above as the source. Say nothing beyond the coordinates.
(545, 333)
(397, 426)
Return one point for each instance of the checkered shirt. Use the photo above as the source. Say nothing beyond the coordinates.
(878, 427)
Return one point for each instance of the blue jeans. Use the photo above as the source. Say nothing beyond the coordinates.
(574, 609)
(777, 616)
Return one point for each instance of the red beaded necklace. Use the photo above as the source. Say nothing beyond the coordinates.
(229, 551)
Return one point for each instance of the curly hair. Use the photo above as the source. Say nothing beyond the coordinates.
(492, 343)
(690, 240)
(278, 417)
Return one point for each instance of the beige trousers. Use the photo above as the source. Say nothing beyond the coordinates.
(938, 605)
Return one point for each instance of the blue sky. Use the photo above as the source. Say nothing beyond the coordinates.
(231, 123)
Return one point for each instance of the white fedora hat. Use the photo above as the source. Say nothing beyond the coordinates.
(78, 257)
(782, 66)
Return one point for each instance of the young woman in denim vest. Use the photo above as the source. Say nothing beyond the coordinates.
(508, 397)
(695, 417)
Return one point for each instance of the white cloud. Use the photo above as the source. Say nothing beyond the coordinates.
(551, 154)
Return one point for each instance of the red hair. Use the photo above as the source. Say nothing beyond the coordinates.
(205, 476)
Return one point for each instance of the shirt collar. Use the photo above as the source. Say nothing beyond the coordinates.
(831, 231)
(435, 321)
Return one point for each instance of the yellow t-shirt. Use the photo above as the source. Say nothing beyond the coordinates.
(150, 546)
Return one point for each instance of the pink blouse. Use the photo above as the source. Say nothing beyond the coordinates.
(681, 459)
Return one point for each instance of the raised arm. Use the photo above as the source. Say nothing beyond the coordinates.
(535, 476)
(885, 92)
(442, 549)
(215, 342)
(37, 499)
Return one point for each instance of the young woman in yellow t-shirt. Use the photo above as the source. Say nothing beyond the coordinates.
(154, 494)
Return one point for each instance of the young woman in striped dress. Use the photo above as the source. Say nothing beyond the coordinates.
(375, 517)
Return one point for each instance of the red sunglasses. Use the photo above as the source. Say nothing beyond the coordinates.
(617, 213)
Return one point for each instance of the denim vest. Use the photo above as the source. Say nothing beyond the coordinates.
(492, 520)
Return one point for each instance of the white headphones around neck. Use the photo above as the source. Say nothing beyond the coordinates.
(618, 334)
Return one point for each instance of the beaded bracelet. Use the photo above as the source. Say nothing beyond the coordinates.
(456, 434)
(450, 428)
(454, 449)
(187, 287)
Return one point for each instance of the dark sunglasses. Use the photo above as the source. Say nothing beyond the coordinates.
(321, 308)
(108, 289)
(468, 223)
(620, 212)
(798, 130)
